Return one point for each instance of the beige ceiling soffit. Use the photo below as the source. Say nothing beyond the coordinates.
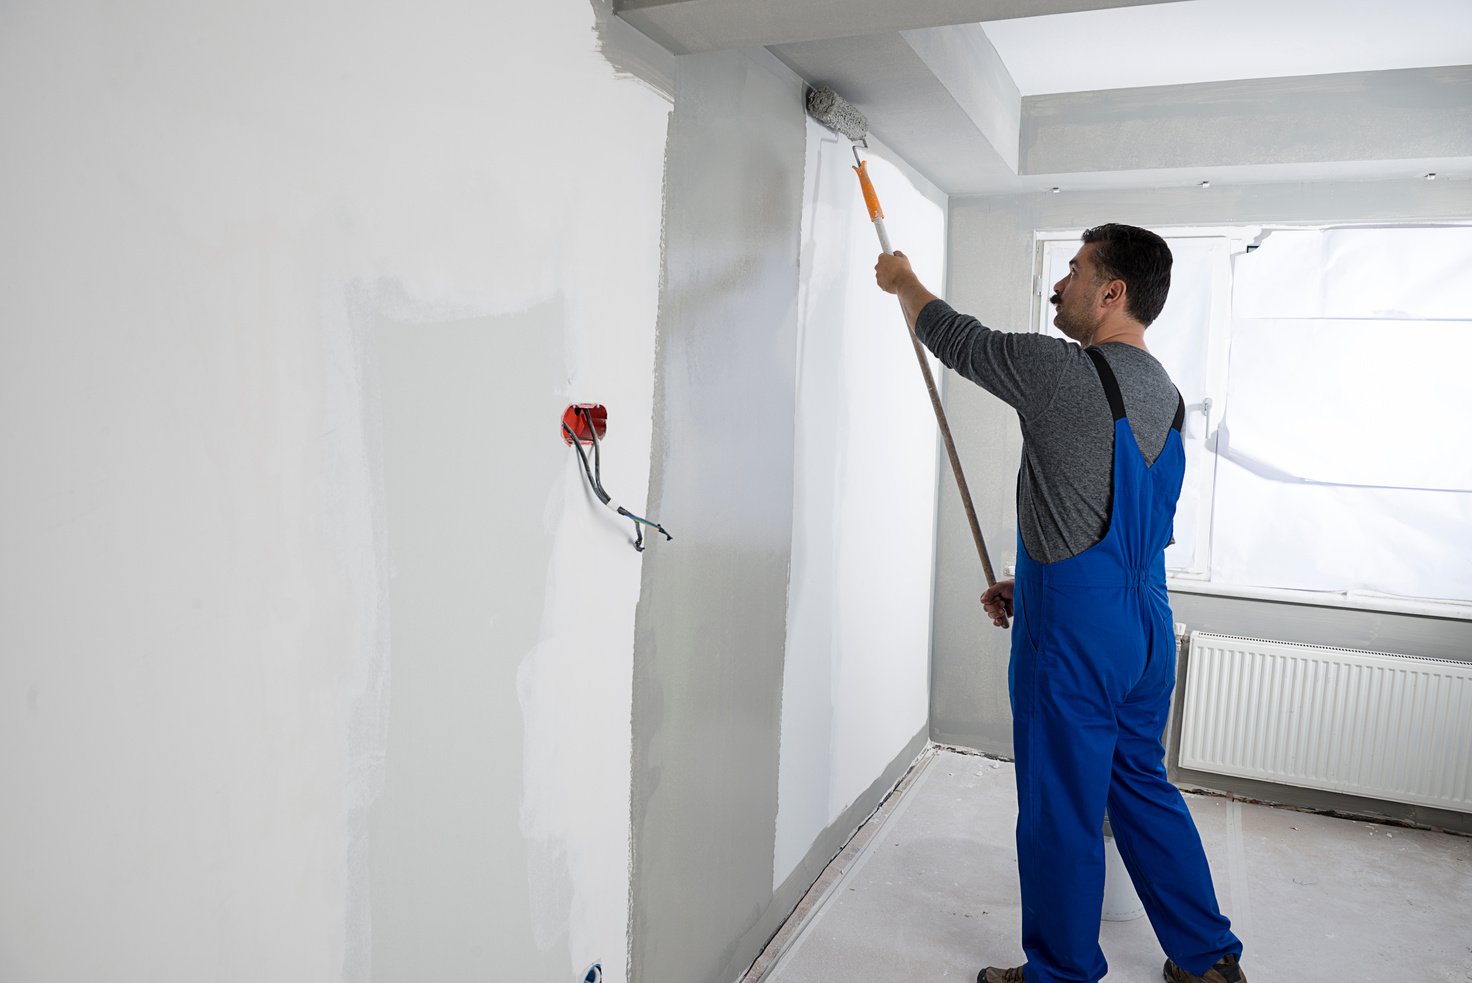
(688, 26)
(1404, 114)
(964, 62)
(910, 109)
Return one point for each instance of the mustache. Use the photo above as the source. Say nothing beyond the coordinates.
(1055, 299)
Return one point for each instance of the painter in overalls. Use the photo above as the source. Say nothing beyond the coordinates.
(1093, 644)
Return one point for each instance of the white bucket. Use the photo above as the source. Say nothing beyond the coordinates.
(1121, 903)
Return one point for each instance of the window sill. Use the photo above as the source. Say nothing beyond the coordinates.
(1356, 600)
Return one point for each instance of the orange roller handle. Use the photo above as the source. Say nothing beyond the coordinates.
(871, 198)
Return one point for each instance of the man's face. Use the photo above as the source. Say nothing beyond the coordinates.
(1075, 296)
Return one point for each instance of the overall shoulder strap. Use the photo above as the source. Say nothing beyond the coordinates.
(1111, 385)
(1116, 400)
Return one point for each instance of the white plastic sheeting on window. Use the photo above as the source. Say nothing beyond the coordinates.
(1272, 533)
(1181, 338)
(1383, 403)
(1394, 274)
(1346, 454)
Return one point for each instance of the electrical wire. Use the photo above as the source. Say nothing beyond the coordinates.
(597, 445)
(592, 482)
(598, 474)
(594, 472)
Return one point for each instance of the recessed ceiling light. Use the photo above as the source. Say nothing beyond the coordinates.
(1431, 176)
(1055, 190)
(1205, 184)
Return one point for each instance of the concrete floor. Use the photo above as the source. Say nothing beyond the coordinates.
(932, 894)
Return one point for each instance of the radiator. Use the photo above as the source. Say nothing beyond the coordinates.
(1390, 727)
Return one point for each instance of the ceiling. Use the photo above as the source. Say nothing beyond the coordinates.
(1217, 40)
(1086, 94)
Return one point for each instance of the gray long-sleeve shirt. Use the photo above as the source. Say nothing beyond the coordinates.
(1065, 486)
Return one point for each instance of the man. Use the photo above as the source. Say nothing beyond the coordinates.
(1093, 642)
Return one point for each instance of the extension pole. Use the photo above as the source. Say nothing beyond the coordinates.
(876, 215)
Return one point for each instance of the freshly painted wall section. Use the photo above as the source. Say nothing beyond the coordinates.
(856, 674)
(712, 616)
(991, 264)
(291, 687)
(770, 333)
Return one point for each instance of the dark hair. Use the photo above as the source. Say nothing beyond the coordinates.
(1141, 259)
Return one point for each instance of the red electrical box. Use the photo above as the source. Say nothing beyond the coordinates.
(585, 420)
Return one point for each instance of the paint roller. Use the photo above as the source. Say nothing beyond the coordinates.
(830, 109)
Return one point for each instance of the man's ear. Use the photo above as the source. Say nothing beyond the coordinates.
(1113, 294)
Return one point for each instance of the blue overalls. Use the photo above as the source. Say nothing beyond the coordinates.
(1093, 666)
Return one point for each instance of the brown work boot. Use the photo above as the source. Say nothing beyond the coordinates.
(1225, 971)
(993, 975)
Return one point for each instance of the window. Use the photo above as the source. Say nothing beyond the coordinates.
(1327, 429)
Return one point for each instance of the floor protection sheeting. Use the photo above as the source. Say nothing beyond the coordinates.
(1314, 898)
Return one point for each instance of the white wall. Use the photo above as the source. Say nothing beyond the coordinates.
(316, 657)
(295, 296)
(856, 674)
